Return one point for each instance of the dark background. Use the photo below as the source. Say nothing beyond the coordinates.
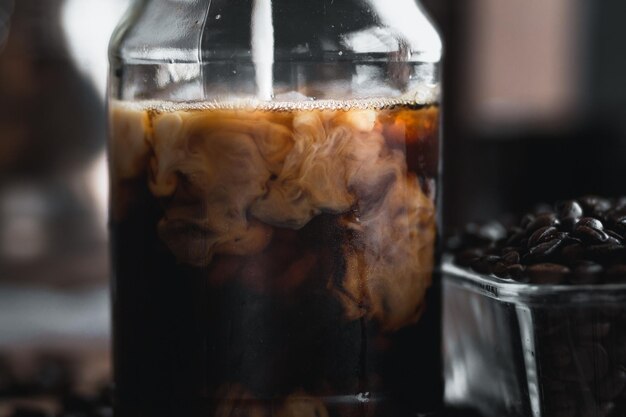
(535, 99)
(535, 111)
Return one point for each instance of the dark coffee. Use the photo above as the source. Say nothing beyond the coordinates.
(275, 261)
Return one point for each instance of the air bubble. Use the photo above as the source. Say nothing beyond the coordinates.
(310, 103)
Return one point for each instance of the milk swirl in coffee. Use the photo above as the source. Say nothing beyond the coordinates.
(275, 260)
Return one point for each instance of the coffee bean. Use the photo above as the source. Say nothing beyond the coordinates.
(508, 249)
(573, 253)
(590, 234)
(481, 265)
(499, 270)
(590, 222)
(543, 250)
(570, 209)
(511, 258)
(586, 273)
(468, 256)
(492, 259)
(516, 271)
(591, 229)
(542, 235)
(606, 252)
(547, 273)
(543, 220)
(617, 238)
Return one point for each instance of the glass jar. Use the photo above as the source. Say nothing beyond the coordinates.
(273, 214)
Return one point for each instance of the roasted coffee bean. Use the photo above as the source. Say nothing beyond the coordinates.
(508, 249)
(573, 252)
(542, 235)
(543, 220)
(481, 265)
(590, 222)
(618, 238)
(547, 273)
(499, 270)
(606, 252)
(590, 229)
(511, 258)
(586, 273)
(543, 250)
(590, 234)
(469, 256)
(570, 209)
(492, 259)
(516, 271)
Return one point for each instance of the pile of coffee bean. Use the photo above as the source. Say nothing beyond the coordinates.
(580, 241)
(580, 356)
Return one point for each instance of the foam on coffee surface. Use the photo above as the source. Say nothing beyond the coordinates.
(229, 176)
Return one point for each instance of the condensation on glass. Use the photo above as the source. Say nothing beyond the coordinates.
(274, 185)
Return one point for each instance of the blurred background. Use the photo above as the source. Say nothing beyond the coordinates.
(535, 106)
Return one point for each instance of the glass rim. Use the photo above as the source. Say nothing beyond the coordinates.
(518, 292)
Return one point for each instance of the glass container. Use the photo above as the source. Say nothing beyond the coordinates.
(274, 185)
(525, 350)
